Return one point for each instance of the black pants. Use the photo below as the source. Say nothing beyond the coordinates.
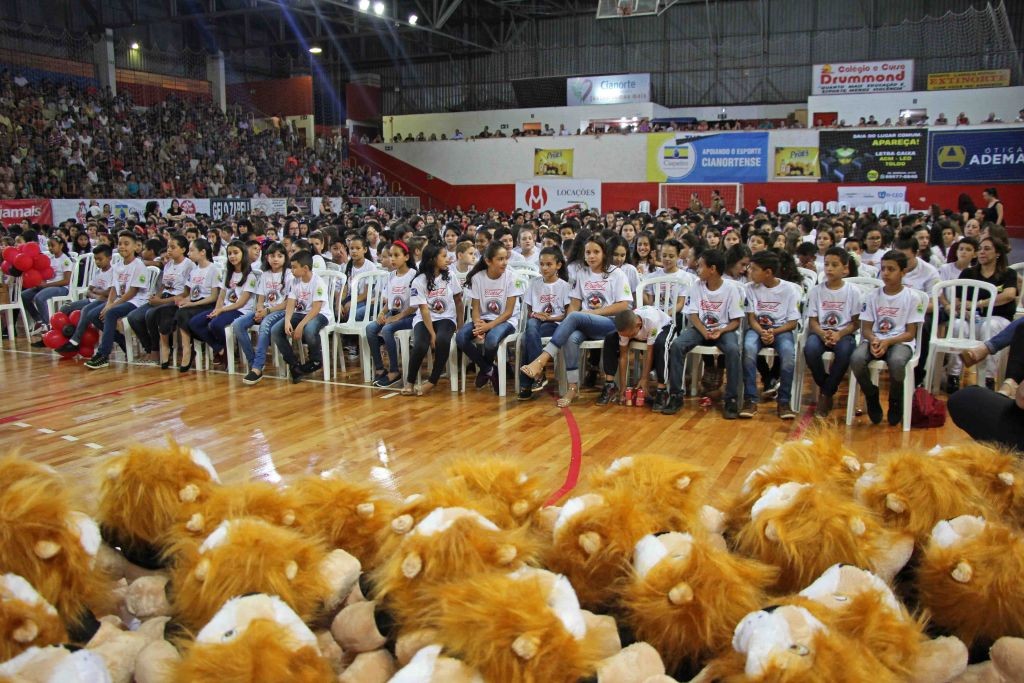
(988, 416)
(929, 320)
(444, 330)
(1015, 356)
(610, 357)
(147, 329)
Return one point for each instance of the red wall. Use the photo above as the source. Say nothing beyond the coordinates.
(362, 102)
(278, 97)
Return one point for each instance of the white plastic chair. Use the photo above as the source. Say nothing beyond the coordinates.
(785, 207)
(803, 207)
(832, 207)
(866, 285)
(153, 276)
(891, 208)
(962, 331)
(809, 277)
(1019, 269)
(902, 208)
(404, 341)
(661, 301)
(645, 207)
(15, 306)
(82, 272)
(374, 282)
(876, 366)
(817, 206)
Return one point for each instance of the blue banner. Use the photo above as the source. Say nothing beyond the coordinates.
(687, 158)
(976, 156)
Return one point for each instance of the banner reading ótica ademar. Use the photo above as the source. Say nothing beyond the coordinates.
(687, 158)
(976, 156)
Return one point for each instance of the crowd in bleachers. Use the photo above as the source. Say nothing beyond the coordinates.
(695, 287)
(58, 140)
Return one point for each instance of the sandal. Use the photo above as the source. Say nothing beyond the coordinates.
(571, 394)
(407, 390)
(425, 388)
(531, 372)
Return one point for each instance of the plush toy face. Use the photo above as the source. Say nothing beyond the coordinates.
(841, 582)
(782, 639)
(235, 617)
(26, 619)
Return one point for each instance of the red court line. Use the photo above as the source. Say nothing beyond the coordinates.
(575, 459)
(802, 425)
(115, 392)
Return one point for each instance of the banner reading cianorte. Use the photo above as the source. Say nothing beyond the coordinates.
(976, 156)
(848, 78)
(728, 157)
(557, 162)
(613, 89)
(848, 156)
(556, 194)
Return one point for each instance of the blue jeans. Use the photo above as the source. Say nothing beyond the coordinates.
(828, 382)
(310, 337)
(689, 338)
(35, 301)
(535, 330)
(1003, 338)
(785, 350)
(109, 324)
(215, 336)
(374, 332)
(483, 359)
(68, 309)
(577, 328)
(258, 358)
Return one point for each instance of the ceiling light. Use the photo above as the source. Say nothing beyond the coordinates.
(378, 8)
(134, 46)
(364, 5)
(316, 50)
(413, 19)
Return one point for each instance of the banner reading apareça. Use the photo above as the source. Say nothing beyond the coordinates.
(976, 156)
(872, 156)
(731, 157)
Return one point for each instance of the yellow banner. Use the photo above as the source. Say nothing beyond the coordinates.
(959, 80)
(796, 162)
(552, 162)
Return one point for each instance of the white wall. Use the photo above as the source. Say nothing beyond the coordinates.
(742, 112)
(977, 104)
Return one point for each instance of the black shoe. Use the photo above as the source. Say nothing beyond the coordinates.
(252, 377)
(731, 410)
(381, 380)
(165, 365)
(495, 380)
(673, 405)
(97, 362)
(539, 384)
(525, 394)
(771, 389)
(608, 394)
(824, 405)
(874, 408)
(990, 384)
(311, 366)
(186, 368)
(895, 412)
(660, 399)
(38, 344)
(67, 348)
(483, 377)
(296, 374)
(952, 384)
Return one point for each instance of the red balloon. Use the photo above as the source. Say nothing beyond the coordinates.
(23, 262)
(10, 253)
(41, 262)
(75, 316)
(58, 320)
(68, 355)
(31, 278)
(54, 339)
(47, 273)
(31, 248)
(90, 336)
(86, 351)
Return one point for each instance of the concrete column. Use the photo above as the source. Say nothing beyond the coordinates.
(215, 74)
(103, 61)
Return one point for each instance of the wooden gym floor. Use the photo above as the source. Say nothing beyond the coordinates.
(60, 413)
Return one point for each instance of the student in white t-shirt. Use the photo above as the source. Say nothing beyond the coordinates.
(102, 279)
(146, 320)
(919, 275)
(359, 261)
(234, 301)
(527, 248)
(436, 294)
(676, 292)
(622, 259)
(889, 319)
(772, 316)
(647, 324)
(127, 292)
(547, 300)
(964, 259)
(873, 248)
(395, 315)
(833, 317)
(495, 292)
(35, 298)
(600, 292)
(307, 310)
(271, 294)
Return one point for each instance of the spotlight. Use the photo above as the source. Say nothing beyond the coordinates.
(413, 19)
(315, 50)
(134, 46)
(378, 8)
(364, 5)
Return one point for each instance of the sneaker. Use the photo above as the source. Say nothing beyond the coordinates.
(67, 348)
(730, 411)
(296, 374)
(38, 329)
(381, 380)
(97, 362)
(609, 394)
(748, 411)
(874, 408)
(895, 412)
(658, 399)
(252, 377)
(771, 390)
(952, 384)
(309, 367)
(483, 377)
(673, 405)
(495, 381)
(539, 384)
(526, 394)
(824, 406)
(785, 412)
(38, 344)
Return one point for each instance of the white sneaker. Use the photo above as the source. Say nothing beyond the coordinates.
(39, 329)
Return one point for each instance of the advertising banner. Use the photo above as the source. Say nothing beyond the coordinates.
(14, 211)
(796, 162)
(615, 89)
(79, 209)
(848, 156)
(731, 158)
(870, 195)
(269, 205)
(552, 162)
(976, 156)
(556, 194)
(852, 78)
(958, 80)
(225, 208)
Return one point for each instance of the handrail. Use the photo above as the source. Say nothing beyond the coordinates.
(424, 194)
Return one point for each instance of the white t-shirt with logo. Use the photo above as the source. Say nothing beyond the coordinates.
(551, 298)
(202, 282)
(834, 308)
(494, 294)
(715, 308)
(874, 260)
(237, 287)
(398, 289)
(597, 290)
(652, 320)
(949, 271)
(272, 287)
(367, 267)
(632, 276)
(306, 294)
(921, 277)
(130, 275)
(175, 276)
(103, 279)
(890, 314)
(440, 300)
(61, 264)
(773, 306)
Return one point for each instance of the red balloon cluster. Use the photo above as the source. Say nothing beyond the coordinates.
(62, 326)
(28, 262)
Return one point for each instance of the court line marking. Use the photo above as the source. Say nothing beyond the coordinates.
(805, 421)
(22, 424)
(94, 446)
(54, 406)
(44, 430)
(68, 437)
(572, 475)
